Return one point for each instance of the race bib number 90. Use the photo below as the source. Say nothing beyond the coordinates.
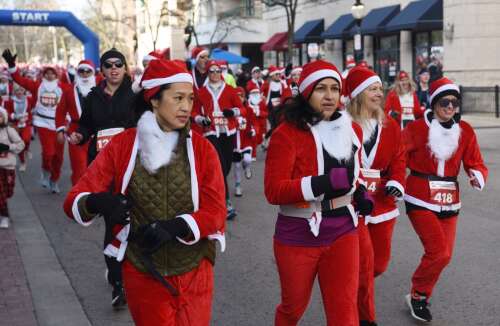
(443, 192)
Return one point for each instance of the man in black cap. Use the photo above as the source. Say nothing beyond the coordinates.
(423, 88)
(106, 112)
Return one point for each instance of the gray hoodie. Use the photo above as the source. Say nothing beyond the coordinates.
(9, 136)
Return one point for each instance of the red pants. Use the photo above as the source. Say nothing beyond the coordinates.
(7, 183)
(25, 134)
(366, 291)
(78, 159)
(151, 304)
(52, 153)
(337, 268)
(381, 236)
(438, 238)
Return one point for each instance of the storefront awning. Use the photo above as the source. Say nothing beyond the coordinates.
(340, 28)
(423, 15)
(375, 21)
(277, 42)
(310, 32)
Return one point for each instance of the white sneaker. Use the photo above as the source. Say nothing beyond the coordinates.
(22, 167)
(45, 179)
(4, 223)
(237, 191)
(248, 173)
(254, 159)
(30, 155)
(54, 187)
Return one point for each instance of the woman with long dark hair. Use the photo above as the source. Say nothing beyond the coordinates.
(311, 172)
(161, 186)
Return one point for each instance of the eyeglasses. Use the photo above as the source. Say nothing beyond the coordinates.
(445, 103)
(84, 71)
(214, 71)
(110, 64)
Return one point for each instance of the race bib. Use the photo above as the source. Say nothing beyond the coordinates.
(242, 123)
(275, 101)
(105, 136)
(443, 192)
(219, 119)
(49, 99)
(407, 116)
(372, 179)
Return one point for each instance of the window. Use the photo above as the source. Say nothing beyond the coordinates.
(428, 52)
(249, 8)
(387, 58)
(348, 51)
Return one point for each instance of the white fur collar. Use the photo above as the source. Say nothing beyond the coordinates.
(156, 147)
(368, 129)
(443, 142)
(337, 136)
(275, 86)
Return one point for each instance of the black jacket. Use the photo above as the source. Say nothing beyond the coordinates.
(99, 112)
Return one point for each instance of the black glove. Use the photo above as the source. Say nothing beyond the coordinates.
(9, 58)
(206, 122)
(394, 115)
(114, 208)
(4, 148)
(393, 191)
(228, 113)
(362, 201)
(154, 235)
(288, 69)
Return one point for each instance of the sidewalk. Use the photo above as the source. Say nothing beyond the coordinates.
(482, 120)
(34, 288)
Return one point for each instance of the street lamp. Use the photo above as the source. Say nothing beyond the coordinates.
(358, 12)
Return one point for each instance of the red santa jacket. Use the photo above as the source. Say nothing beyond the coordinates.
(247, 130)
(252, 84)
(284, 90)
(45, 104)
(20, 119)
(392, 103)
(387, 159)
(421, 159)
(114, 166)
(68, 106)
(293, 157)
(211, 106)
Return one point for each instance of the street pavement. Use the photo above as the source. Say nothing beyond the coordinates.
(65, 273)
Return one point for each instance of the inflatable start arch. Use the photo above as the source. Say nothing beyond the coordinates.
(55, 18)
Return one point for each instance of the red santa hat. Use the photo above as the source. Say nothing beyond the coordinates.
(350, 63)
(86, 64)
(442, 87)
(222, 63)
(403, 74)
(153, 55)
(47, 68)
(313, 72)
(363, 63)
(256, 68)
(197, 52)
(359, 79)
(212, 62)
(273, 70)
(161, 72)
(296, 70)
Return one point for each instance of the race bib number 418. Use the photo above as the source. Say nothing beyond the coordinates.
(443, 192)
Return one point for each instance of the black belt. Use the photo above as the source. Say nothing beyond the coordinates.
(431, 177)
(44, 116)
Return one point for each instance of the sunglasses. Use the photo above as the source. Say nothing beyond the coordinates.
(445, 103)
(214, 70)
(84, 71)
(109, 65)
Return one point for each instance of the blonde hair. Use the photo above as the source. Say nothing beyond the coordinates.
(398, 86)
(361, 115)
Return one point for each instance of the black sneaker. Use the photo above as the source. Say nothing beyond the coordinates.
(367, 323)
(419, 308)
(231, 214)
(118, 299)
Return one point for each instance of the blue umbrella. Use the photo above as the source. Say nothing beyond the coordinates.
(219, 54)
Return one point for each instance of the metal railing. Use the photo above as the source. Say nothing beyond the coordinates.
(481, 99)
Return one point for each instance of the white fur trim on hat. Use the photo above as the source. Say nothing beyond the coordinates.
(86, 65)
(201, 52)
(148, 58)
(317, 75)
(445, 87)
(361, 87)
(177, 78)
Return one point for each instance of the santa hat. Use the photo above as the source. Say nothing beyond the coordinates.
(296, 70)
(161, 72)
(86, 64)
(442, 87)
(313, 72)
(212, 62)
(273, 70)
(359, 79)
(256, 68)
(403, 74)
(363, 63)
(47, 68)
(197, 52)
(153, 55)
(350, 63)
(222, 63)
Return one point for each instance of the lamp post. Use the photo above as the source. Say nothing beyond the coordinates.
(358, 12)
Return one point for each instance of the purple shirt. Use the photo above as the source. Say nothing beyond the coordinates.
(295, 231)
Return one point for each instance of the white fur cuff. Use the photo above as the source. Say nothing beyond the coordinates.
(194, 229)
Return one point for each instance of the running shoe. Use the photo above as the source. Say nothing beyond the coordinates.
(4, 222)
(419, 308)
(118, 299)
(237, 191)
(54, 187)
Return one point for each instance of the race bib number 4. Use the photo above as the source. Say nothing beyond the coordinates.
(372, 179)
(105, 136)
(443, 192)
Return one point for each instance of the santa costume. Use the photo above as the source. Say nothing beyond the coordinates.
(167, 282)
(47, 94)
(404, 108)
(20, 111)
(383, 170)
(258, 106)
(200, 79)
(71, 106)
(216, 109)
(312, 173)
(435, 151)
(254, 83)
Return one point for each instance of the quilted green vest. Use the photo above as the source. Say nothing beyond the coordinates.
(163, 196)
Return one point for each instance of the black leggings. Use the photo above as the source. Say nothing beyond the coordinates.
(114, 266)
(224, 145)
